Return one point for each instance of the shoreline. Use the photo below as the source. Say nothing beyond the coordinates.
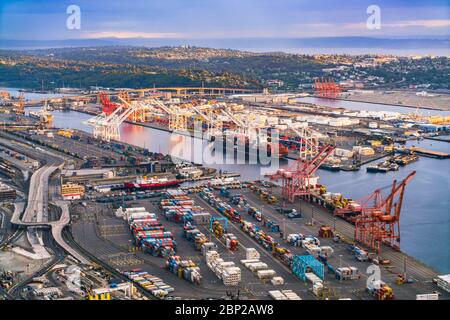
(384, 103)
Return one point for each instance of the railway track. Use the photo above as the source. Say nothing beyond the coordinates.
(68, 237)
(58, 257)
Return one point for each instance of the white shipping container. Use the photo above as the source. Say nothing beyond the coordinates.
(266, 274)
(249, 261)
(317, 288)
(251, 253)
(291, 295)
(257, 266)
(277, 281)
(277, 295)
(427, 296)
(311, 277)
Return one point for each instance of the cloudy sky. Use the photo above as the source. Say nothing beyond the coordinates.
(208, 19)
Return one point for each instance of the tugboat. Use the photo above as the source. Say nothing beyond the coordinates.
(330, 167)
(350, 167)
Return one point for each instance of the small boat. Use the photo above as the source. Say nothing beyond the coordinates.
(351, 167)
(384, 167)
(330, 167)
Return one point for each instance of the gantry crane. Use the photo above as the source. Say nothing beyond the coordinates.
(177, 117)
(297, 180)
(108, 107)
(326, 88)
(241, 126)
(378, 220)
(139, 113)
(106, 127)
(308, 144)
(214, 125)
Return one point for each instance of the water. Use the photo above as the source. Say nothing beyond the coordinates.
(425, 219)
(33, 95)
(443, 52)
(352, 105)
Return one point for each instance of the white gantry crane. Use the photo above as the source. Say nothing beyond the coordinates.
(214, 125)
(178, 117)
(106, 127)
(309, 142)
(241, 127)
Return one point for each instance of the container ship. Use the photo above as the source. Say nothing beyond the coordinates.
(144, 183)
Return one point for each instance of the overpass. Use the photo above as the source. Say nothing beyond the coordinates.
(197, 90)
(36, 215)
(179, 91)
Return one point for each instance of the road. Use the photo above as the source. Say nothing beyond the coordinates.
(36, 214)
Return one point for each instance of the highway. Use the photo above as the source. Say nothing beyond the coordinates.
(36, 214)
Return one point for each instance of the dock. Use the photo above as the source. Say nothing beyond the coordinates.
(429, 153)
(438, 139)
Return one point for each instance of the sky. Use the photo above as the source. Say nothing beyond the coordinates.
(219, 19)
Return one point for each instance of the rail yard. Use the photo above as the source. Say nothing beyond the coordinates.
(132, 223)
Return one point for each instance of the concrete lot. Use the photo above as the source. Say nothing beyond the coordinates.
(434, 101)
(98, 230)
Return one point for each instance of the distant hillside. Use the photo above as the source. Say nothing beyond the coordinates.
(26, 71)
(131, 66)
(242, 43)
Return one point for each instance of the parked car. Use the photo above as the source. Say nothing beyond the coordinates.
(294, 215)
(285, 210)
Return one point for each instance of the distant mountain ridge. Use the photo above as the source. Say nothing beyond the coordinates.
(241, 43)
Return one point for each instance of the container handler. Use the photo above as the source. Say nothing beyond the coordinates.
(381, 291)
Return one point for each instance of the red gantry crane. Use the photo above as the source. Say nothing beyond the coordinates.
(299, 179)
(108, 106)
(326, 88)
(377, 219)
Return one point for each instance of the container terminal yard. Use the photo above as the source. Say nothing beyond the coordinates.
(130, 223)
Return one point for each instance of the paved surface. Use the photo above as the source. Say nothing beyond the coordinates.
(36, 215)
(421, 274)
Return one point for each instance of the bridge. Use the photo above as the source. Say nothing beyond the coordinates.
(196, 90)
(177, 91)
(36, 215)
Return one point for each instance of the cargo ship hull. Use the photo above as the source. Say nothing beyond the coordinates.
(151, 186)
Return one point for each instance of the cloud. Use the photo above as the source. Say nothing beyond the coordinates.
(403, 24)
(128, 34)
(419, 23)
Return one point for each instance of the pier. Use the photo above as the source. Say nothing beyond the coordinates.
(429, 153)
